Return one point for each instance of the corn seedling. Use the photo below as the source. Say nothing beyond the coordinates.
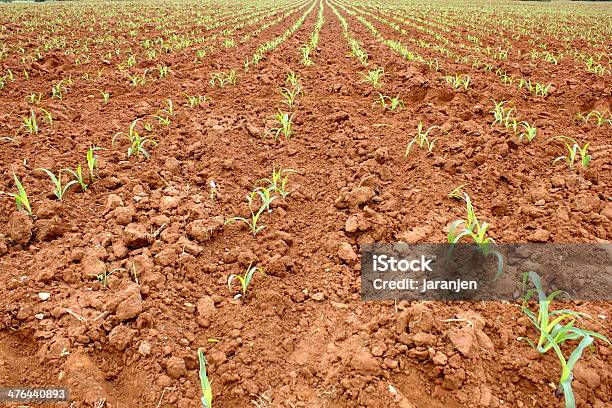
(34, 98)
(77, 173)
(305, 52)
(265, 199)
(290, 95)
(285, 128)
(472, 228)
(573, 149)
(195, 101)
(501, 114)
(105, 96)
(21, 197)
(136, 79)
(58, 90)
(165, 121)
(92, 161)
(422, 139)
(457, 192)
(529, 132)
(207, 395)
(600, 117)
(389, 103)
(292, 79)
(278, 181)
(163, 71)
(223, 79)
(103, 276)
(59, 189)
(30, 123)
(553, 333)
(244, 280)
(136, 141)
(374, 76)
(458, 81)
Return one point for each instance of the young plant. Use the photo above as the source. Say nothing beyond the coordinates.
(59, 189)
(374, 76)
(30, 123)
(285, 127)
(573, 149)
(458, 81)
(265, 199)
(292, 78)
(207, 396)
(105, 96)
(77, 173)
(196, 100)
(554, 333)
(92, 161)
(278, 181)
(600, 117)
(389, 103)
(501, 114)
(422, 139)
(472, 228)
(290, 95)
(245, 281)
(58, 90)
(223, 79)
(163, 71)
(529, 132)
(136, 141)
(305, 52)
(21, 197)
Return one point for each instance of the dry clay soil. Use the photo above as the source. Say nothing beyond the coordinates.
(304, 338)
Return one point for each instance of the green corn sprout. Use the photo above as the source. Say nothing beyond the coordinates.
(458, 81)
(292, 78)
(223, 79)
(457, 192)
(389, 103)
(207, 396)
(501, 114)
(265, 198)
(195, 101)
(92, 161)
(285, 128)
(136, 79)
(477, 231)
(290, 95)
(59, 189)
(21, 197)
(374, 76)
(245, 281)
(554, 334)
(422, 139)
(30, 123)
(529, 132)
(278, 181)
(305, 52)
(573, 149)
(105, 96)
(162, 120)
(34, 98)
(58, 90)
(163, 71)
(600, 117)
(77, 173)
(136, 141)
